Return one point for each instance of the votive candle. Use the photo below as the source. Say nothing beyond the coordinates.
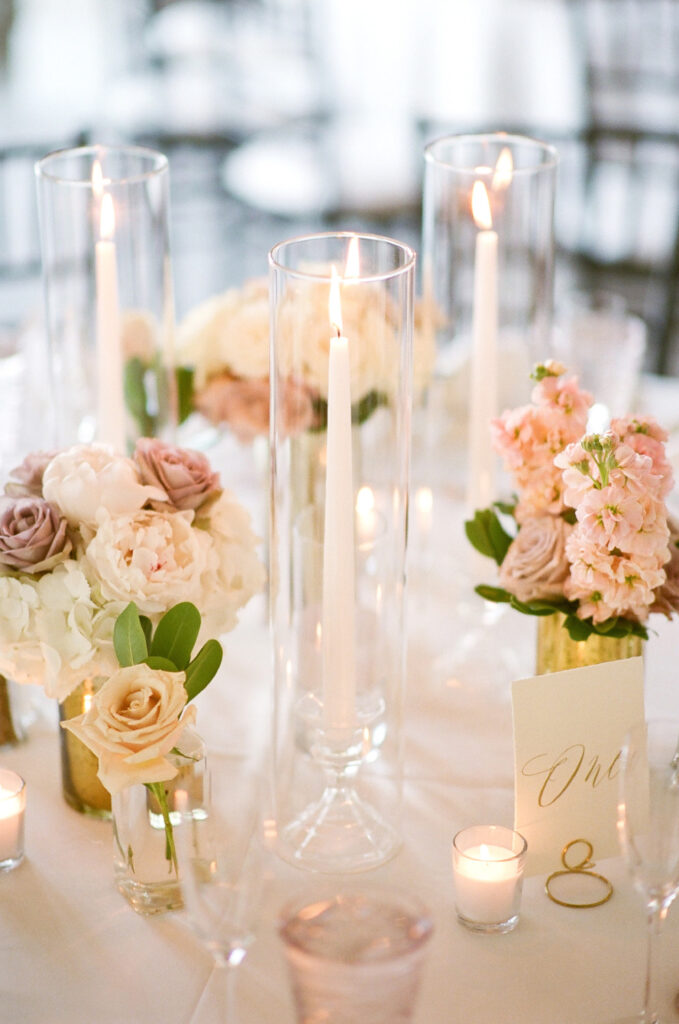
(488, 864)
(12, 809)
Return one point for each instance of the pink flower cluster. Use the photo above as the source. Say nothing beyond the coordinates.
(531, 436)
(613, 486)
(617, 483)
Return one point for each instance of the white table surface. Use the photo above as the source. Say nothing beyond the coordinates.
(73, 952)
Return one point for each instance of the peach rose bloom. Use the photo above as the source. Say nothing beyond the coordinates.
(535, 565)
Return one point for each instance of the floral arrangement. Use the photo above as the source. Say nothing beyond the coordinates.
(592, 538)
(140, 712)
(225, 342)
(85, 531)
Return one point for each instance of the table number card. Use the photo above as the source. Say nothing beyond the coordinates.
(568, 732)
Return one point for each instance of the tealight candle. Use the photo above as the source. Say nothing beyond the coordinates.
(12, 807)
(488, 866)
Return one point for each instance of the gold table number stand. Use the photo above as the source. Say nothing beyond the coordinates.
(602, 888)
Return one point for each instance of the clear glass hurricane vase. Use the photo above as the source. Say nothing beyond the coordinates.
(648, 826)
(342, 322)
(104, 235)
(145, 820)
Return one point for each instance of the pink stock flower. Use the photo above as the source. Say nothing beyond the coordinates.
(646, 437)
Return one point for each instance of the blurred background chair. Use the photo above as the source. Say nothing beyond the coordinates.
(285, 116)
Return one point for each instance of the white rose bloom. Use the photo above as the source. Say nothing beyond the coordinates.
(86, 479)
(133, 723)
(229, 332)
(155, 559)
(236, 572)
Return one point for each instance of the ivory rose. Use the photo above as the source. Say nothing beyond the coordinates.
(535, 565)
(84, 479)
(32, 535)
(184, 475)
(151, 557)
(133, 723)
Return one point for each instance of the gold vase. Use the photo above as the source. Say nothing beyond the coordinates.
(81, 788)
(556, 651)
(11, 732)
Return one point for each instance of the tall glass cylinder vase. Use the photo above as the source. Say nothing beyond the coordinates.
(487, 253)
(109, 302)
(342, 322)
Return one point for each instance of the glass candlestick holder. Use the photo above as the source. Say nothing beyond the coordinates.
(487, 251)
(342, 322)
(103, 214)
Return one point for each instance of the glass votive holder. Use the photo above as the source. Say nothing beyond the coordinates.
(12, 808)
(356, 954)
(488, 863)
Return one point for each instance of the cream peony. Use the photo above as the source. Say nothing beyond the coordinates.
(535, 565)
(235, 573)
(86, 479)
(153, 558)
(133, 723)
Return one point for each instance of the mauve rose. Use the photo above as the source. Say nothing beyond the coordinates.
(185, 476)
(535, 565)
(667, 595)
(26, 480)
(243, 404)
(32, 535)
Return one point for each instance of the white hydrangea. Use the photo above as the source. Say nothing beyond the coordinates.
(230, 333)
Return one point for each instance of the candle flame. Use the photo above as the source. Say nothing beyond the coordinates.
(365, 501)
(484, 851)
(504, 169)
(481, 206)
(424, 499)
(353, 264)
(107, 222)
(334, 304)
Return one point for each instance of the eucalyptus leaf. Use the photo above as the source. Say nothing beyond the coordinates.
(184, 378)
(147, 626)
(129, 641)
(203, 668)
(155, 661)
(496, 594)
(486, 533)
(176, 633)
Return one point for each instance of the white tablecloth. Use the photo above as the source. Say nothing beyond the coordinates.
(73, 952)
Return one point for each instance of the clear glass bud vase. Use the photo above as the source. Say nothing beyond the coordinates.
(144, 856)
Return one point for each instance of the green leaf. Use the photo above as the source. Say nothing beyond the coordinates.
(136, 398)
(486, 533)
(362, 410)
(577, 628)
(496, 594)
(507, 508)
(176, 633)
(532, 607)
(203, 668)
(147, 627)
(184, 378)
(155, 661)
(129, 641)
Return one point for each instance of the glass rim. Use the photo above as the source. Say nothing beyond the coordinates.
(16, 780)
(159, 160)
(496, 137)
(326, 893)
(511, 854)
(305, 275)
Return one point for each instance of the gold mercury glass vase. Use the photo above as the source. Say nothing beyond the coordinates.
(81, 788)
(556, 651)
